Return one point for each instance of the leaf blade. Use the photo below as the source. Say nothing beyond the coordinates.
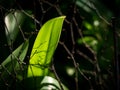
(44, 46)
(12, 61)
(12, 21)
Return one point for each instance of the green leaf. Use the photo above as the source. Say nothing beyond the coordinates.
(50, 83)
(42, 83)
(14, 60)
(44, 47)
(12, 21)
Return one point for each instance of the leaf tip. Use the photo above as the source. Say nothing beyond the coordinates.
(63, 17)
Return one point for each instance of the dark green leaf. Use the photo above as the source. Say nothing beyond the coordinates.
(13, 21)
(14, 60)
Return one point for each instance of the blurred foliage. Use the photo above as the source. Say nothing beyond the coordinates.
(85, 54)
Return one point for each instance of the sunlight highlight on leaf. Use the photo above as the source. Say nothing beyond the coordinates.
(44, 47)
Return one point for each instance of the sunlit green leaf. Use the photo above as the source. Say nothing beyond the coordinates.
(44, 47)
(13, 21)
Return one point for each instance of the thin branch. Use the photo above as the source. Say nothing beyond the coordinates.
(31, 16)
(85, 56)
(72, 37)
(101, 17)
(58, 79)
(86, 78)
(95, 63)
(92, 6)
(74, 62)
(19, 28)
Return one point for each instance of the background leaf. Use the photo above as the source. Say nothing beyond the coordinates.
(14, 60)
(13, 21)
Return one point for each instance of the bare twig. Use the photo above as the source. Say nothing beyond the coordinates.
(20, 28)
(31, 16)
(85, 56)
(91, 87)
(72, 37)
(92, 6)
(59, 81)
(94, 61)
(74, 62)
